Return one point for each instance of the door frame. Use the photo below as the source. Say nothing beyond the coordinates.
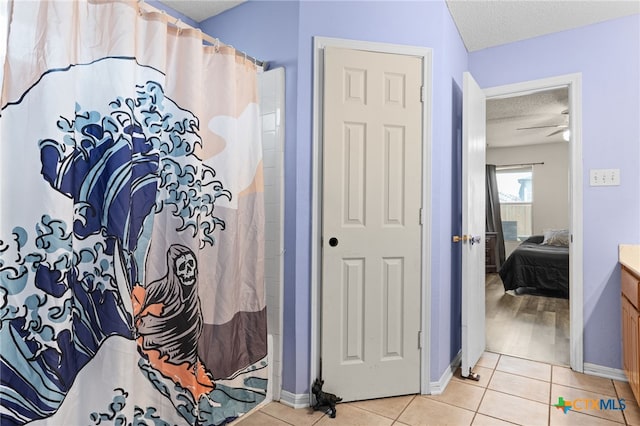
(425, 54)
(576, 300)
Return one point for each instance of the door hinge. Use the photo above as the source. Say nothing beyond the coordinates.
(422, 96)
(420, 339)
(421, 216)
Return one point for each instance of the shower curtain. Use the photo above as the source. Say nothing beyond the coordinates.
(131, 221)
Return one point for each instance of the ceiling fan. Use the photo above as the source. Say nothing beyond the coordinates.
(561, 128)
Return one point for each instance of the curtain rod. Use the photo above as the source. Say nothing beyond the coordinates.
(178, 23)
(520, 164)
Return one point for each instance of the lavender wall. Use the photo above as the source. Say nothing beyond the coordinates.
(607, 55)
(425, 24)
(418, 23)
(267, 29)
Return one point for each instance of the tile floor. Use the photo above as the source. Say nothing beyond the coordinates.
(510, 391)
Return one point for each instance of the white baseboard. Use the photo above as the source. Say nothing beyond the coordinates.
(606, 372)
(293, 400)
(436, 388)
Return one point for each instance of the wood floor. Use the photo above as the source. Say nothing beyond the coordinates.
(526, 326)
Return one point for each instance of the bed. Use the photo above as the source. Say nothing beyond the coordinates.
(540, 265)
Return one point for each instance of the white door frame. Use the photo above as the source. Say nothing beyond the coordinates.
(319, 43)
(576, 300)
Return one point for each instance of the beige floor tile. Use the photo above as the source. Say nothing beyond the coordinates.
(461, 395)
(294, 416)
(349, 415)
(521, 386)
(524, 367)
(623, 390)
(482, 420)
(388, 407)
(484, 373)
(631, 412)
(567, 377)
(571, 418)
(513, 393)
(258, 419)
(572, 394)
(513, 409)
(488, 360)
(425, 411)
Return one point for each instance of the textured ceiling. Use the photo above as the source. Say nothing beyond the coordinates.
(487, 23)
(199, 10)
(546, 110)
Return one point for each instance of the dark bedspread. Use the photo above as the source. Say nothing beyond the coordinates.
(537, 267)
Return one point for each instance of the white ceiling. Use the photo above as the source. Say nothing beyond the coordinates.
(488, 23)
(199, 10)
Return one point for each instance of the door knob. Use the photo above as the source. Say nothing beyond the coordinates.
(475, 240)
(333, 241)
(458, 238)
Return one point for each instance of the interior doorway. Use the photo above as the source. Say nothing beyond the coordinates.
(573, 83)
(527, 280)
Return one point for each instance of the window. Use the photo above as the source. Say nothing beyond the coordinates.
(515, 187)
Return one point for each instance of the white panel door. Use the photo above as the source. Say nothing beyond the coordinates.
(372, 174)
(473, 222)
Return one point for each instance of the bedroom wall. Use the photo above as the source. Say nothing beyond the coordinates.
(550, 181)
(258, 27)
(608, 56)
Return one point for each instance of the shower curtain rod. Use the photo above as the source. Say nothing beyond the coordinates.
(520, 164)
(178, 23)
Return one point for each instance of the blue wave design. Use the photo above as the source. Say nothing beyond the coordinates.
(119, 166)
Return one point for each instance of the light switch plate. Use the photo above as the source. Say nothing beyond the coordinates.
(604, 177)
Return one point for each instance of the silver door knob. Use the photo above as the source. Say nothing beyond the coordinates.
(475, 240)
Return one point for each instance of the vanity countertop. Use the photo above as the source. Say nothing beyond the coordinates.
(629, 256)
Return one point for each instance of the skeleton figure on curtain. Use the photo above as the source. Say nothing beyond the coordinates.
(168, 318)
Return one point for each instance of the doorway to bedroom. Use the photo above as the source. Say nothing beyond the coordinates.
(528, 161)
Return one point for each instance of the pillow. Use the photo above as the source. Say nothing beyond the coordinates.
(556, 237)
(534, 239)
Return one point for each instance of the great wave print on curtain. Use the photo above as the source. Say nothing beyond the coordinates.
(131, 221)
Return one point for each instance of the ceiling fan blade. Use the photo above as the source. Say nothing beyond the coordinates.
(556, 132)
(542, 127)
